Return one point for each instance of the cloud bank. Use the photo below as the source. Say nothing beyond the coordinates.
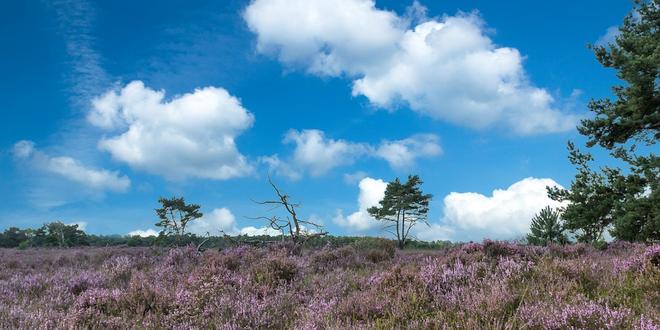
(143, 233)
(505, 214)
(222, 220)
(215, 223)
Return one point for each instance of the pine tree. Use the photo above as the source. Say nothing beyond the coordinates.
(403, 206)
(626, 201)
(546, 228)
(174, 216)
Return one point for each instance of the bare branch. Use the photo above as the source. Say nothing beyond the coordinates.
(292, 223)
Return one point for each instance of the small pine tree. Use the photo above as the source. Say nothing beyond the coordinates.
(546, 228)
(403, 206)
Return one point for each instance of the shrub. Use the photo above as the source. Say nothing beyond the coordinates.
(497, 249)
(375, 249)
(476, 286)
(274, 270)
(328, 259)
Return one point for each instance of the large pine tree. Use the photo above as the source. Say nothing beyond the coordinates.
(626, 200)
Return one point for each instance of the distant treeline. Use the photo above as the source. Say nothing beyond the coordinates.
(58, 234)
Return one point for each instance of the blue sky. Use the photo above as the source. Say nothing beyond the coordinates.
(109, 105)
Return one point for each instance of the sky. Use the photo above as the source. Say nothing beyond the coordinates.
(109, 105)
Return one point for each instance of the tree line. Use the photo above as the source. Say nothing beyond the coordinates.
(73, 236)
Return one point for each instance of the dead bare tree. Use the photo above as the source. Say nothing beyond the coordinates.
(298, 230)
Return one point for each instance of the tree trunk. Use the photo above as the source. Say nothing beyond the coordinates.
(402, 241)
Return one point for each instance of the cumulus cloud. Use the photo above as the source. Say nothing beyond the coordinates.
(71, 169)
(317, 154)
(325, 37)
(213, 223)
(191, 135)
(402, 154)
(505, 214)
(371, 193)
(143, 233)
(447, 68)
(221, 220)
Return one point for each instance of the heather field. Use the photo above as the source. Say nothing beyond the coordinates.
(494, 285)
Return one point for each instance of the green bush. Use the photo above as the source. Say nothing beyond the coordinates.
(274, 270)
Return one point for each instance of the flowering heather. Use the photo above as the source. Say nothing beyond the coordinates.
(474, 286)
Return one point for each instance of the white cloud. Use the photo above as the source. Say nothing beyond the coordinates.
(191, 135)
(261, 231)
(279, 167)
(221, 220)
(506, 214)
(355, 177)
(609, 37)
(71, 169)
(317, 154)
(372, 192)
(448, 68)
(213, 223)
(23, 149)
(143, 233)
(325, 37)
(402, 154)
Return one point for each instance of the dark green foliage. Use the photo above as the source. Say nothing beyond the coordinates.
(625, 201)
(404, 205)
(174, 216)
(546, 228)
(57, 234)
(375, 249)
(273, 271)
(635, 55)
(591, 199)
(54, 234)
(12, 237)
(62, 235)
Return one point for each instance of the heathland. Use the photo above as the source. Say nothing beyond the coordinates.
(370, 284)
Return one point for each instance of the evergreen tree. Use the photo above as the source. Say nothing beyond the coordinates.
(546, 228)
(175, 215)
(591, 199)
(635, 55)
(627, 200)
(404, 205)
